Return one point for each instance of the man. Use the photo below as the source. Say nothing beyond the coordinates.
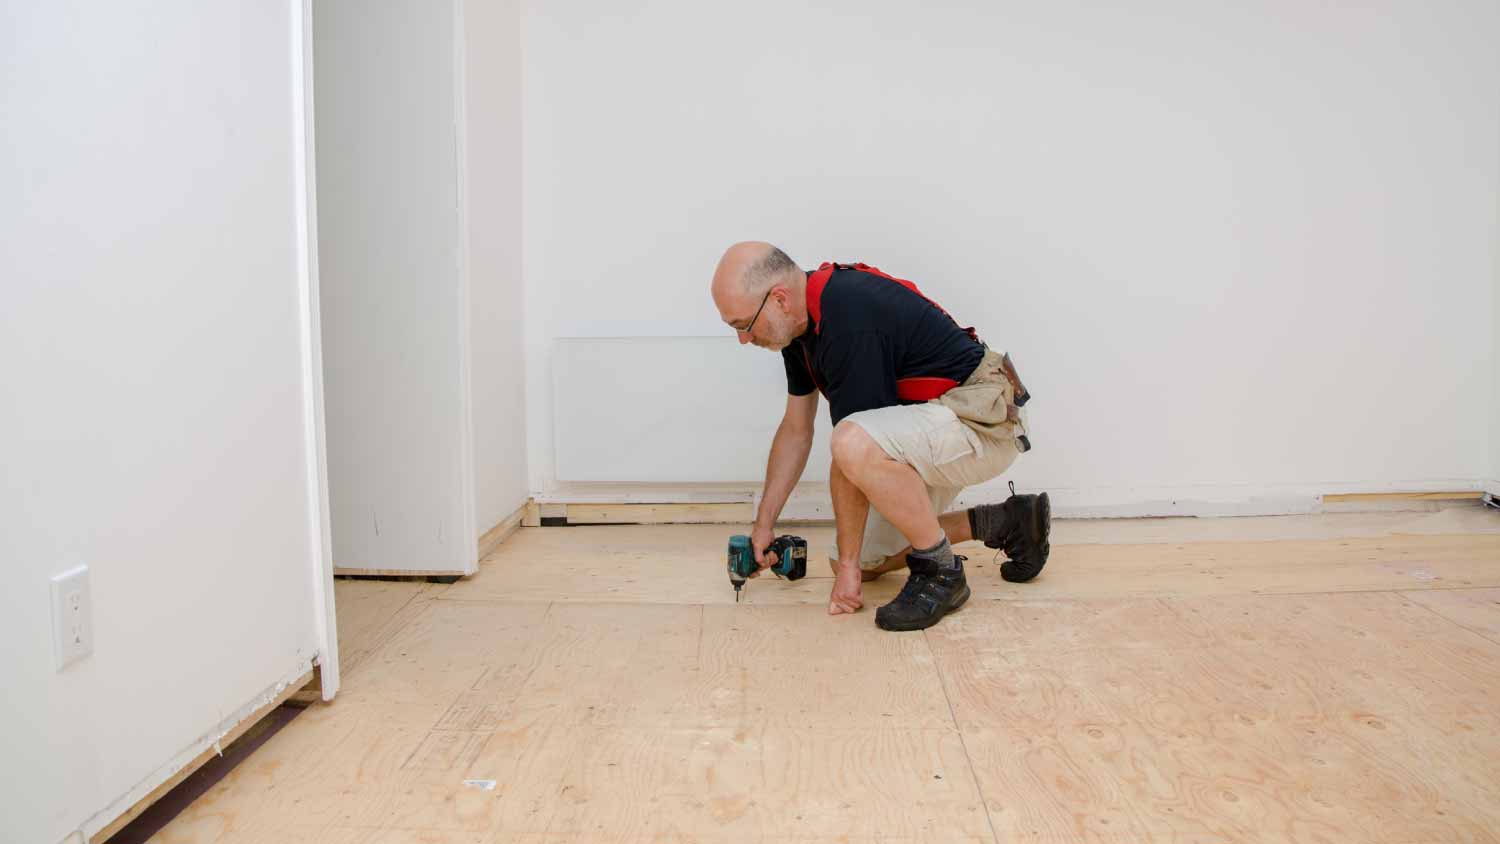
(921, 409)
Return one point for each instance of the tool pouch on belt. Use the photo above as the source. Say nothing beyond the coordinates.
(990, 402)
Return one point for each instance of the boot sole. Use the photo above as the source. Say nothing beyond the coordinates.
(923, 624)
(1044, 519)
(1042, 524)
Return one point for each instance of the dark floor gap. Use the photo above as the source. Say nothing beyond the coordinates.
(171, 804)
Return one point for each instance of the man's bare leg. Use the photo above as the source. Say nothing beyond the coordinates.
(862, 476)
(890, 486)
(850, 508)
(954, 524)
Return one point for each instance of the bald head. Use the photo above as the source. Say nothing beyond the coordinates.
(752, 273)
(749, 268)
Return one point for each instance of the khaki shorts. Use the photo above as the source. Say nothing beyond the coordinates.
(948, 454)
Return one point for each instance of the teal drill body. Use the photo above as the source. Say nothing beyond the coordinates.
(791, 559)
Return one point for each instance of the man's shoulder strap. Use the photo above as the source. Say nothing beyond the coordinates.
(819, 279)
(815, 284)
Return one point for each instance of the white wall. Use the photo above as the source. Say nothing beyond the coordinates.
(154, 412)
(394, 299)
(492, 187)
(1236, 250)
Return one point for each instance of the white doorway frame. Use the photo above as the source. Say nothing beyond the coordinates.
(315, 438)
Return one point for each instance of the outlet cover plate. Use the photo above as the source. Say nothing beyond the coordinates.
(72, 617)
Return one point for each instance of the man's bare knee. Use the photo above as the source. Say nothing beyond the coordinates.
(853, 447)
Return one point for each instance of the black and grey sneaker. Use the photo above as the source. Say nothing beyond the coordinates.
(1022, 525)
(930, 593)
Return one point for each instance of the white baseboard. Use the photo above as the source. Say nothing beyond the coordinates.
(495, 536)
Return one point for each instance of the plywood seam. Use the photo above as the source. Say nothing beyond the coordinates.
(702, 615)
(536, 663)
(391, 632)
(1460, 625)
(388, 632)
(963, 742)
(508, 600)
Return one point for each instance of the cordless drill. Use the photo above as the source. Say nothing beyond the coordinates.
(791, 559)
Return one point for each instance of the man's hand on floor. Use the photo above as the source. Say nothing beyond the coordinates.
(848, 590)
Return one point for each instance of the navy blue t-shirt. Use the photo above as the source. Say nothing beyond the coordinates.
(875, 331)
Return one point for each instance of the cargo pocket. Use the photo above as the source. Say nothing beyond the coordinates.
(951, 448)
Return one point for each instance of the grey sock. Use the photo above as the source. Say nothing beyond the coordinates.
(941, 553)
(987, 521)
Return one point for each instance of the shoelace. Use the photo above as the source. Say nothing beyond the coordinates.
(1016, 545)
(914, 582)
(912, 588)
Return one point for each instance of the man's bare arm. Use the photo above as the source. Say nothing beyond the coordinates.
(789, 450)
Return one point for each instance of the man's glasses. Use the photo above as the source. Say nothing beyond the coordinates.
(764, 299)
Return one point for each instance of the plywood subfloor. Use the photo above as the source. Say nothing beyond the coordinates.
(1303, 679)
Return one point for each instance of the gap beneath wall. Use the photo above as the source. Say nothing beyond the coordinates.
(171, 803)
(212, 763)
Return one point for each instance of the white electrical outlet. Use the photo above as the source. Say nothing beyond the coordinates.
(72, 617)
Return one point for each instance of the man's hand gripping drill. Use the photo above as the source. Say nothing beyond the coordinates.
(785, 556)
